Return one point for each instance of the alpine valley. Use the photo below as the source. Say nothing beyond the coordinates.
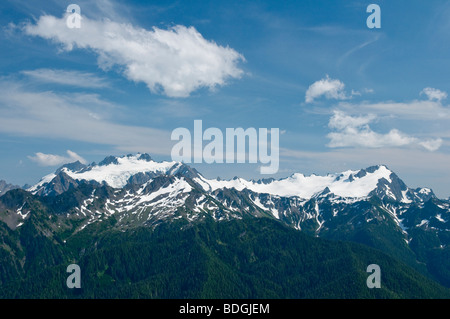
(145, 229)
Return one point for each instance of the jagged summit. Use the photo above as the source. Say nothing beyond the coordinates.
(137, 169)
(113, 171)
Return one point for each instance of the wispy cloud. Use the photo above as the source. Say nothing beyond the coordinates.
(75, 117)
(355, 131)
(54, 160)
(410, 158)
(431, 109)
(174, 62)
(67, 77)
(357, 48)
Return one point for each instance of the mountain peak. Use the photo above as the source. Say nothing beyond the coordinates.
(113, 171)
(116, 159)
(145, 157)
(116, 171)
(4, 187)
(75, 166)
(109, 160)
(374, 168)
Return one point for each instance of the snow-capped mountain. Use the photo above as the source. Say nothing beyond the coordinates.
(115, 172)
(371, 206)
(350, 184)
(137, 190)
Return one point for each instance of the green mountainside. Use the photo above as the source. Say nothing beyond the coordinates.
(249, 258)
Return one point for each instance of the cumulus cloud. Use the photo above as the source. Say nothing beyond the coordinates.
(174, 62)
(54, 160)
(330, 88)
(355, 131)
(67, 77)
(434, 94)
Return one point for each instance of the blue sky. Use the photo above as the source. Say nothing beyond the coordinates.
(343, 96)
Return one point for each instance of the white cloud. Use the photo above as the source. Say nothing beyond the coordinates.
(76, 117)
(353, 131)
(355, 93)
(65, 77)
(330, 88)
(434, 94)
(432, 145)
(174, 62)
(412, 110)
(342, 121)
(54, 160)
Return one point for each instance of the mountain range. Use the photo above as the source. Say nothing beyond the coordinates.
(86, 210)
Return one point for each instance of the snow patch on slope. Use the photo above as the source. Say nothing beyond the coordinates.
(173, 190)
(44, 180)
